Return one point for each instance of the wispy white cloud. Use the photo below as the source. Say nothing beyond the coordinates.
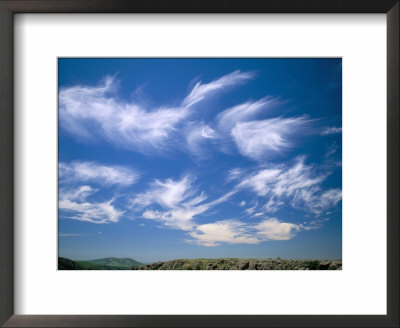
(201, 91)
(234, 174)
(91, 112)
(262, 181)
(299, 185)
(247, 111)
(169, 193)
(180, 200)
(257, 214)
(298, 177)
(178, 218)
(77, 234)
(71, 235)
(273, 204)
(79, 208)
(82, 171)
(196, 136)
(258, 139)
(331, 130)
(331, 150)
(252, 209)
(314, 224)
(316, 200)
(181, 203)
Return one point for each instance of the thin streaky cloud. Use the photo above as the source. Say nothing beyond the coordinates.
(273, 204)
(76, 204)
(299, 185)
(179, 200)
(94, 112)
(169, 193)
(331, 130)
(234, 174)
(72, 235)
(201, 91)
(82, 171)
(316, 200)
(245, 112)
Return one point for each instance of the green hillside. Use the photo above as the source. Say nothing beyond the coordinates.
(111, 263)
(67, 264)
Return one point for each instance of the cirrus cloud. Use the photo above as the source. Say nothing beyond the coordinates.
(76, 205)
(83, 171)
(258, 139)
(95, 112)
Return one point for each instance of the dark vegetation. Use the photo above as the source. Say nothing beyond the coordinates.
(242, 264)
(109, 263)
(113, 263)
(67, 264)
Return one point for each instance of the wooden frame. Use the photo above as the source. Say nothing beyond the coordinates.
(9, 7)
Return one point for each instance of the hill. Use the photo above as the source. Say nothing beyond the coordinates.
(67, 264)
(242, 264)
(114, 261)
(88, 265)
(100, 264)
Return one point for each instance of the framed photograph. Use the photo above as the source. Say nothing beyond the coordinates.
(199, 164)
(201, 175)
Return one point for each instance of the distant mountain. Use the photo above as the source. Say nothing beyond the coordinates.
(242, 264)
(111, 263)
(115, 261)
(87, 265)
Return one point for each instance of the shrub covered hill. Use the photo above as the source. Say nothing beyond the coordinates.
(112, 263)
(242, 264)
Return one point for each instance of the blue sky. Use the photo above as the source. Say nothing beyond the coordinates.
(184, 158)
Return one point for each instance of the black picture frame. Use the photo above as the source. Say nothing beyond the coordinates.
(10, 7)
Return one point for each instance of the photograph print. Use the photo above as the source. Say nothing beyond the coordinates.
(199, 163)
